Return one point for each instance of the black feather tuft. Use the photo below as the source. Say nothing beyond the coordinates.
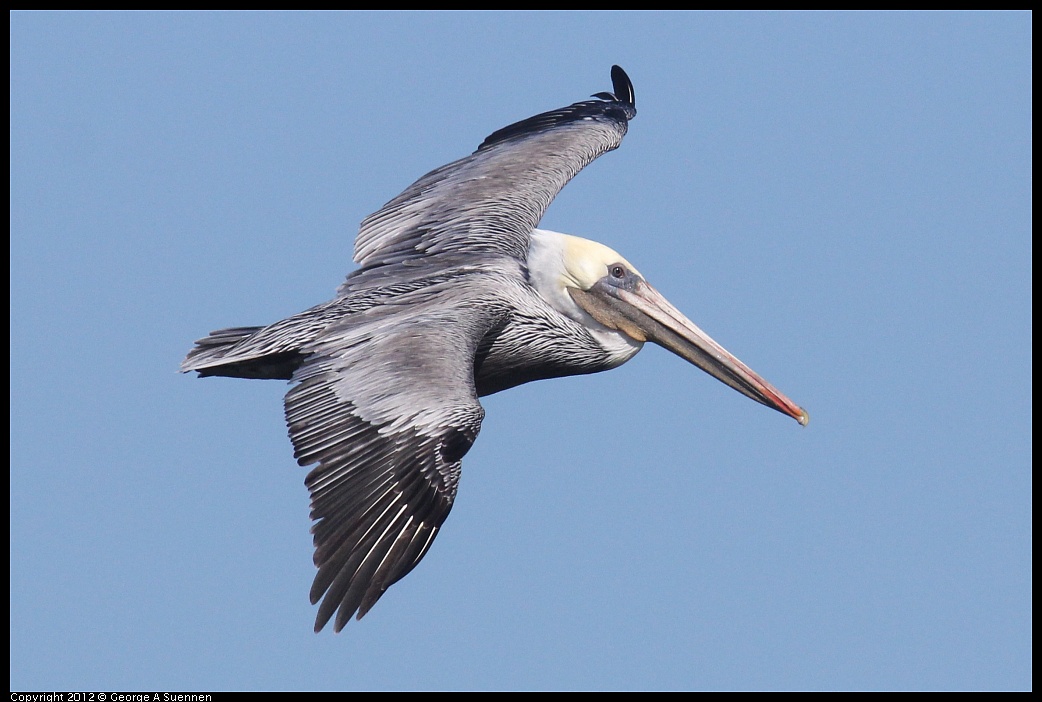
(623, 86)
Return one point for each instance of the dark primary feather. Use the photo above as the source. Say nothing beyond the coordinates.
(387, 414)
(623, 87)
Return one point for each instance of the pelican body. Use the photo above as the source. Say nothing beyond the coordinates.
(458, 295)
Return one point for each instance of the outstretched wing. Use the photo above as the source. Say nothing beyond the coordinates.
(386, 410)
(490, 201)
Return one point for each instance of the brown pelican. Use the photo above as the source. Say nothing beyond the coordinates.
(458, 295)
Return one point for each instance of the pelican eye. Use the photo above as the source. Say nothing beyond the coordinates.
(617, 271)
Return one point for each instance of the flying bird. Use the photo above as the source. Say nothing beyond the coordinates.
(458, 295)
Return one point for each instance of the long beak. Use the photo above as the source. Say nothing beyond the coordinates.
(642, 313)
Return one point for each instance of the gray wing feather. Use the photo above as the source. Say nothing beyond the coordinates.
(386, 410)
(489, 202)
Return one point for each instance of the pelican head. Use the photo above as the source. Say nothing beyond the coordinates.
(595, 286)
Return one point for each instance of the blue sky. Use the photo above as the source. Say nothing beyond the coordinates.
(842, 200)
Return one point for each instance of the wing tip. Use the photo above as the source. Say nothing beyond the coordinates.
(623, 87)
(619, 105)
